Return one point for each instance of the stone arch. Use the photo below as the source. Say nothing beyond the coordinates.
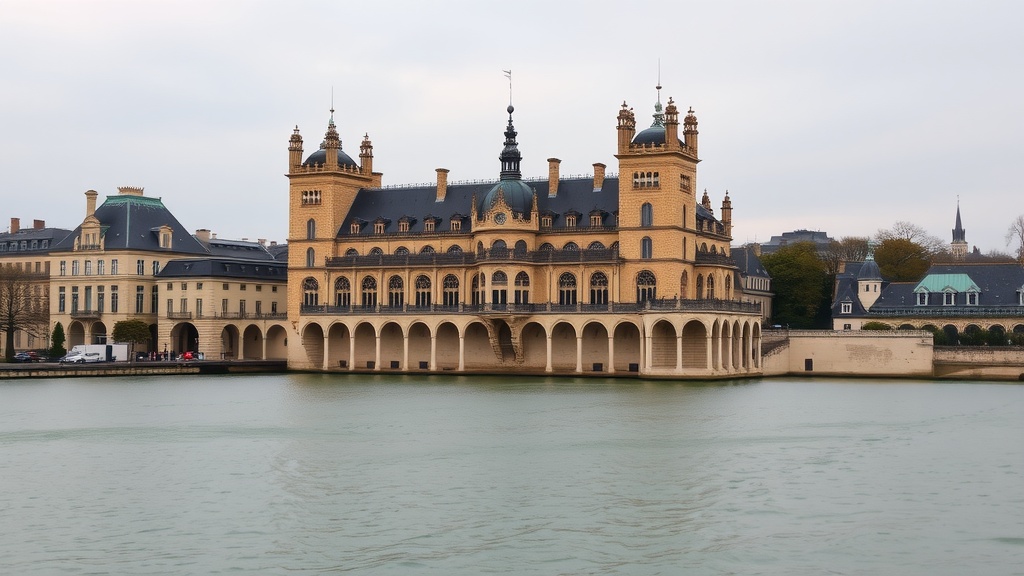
(252, 343)
(98, 333)
(479, 354)
(626, 339)
(184, 336)
(663, 345)
(563, 347)
(419, 347)
(533, 340)
(454, 249)
(277, 342)
(312, 344)
(392, 347)
(365, 346)
(339, 342)
(230, 343)
(571, 247)
(695, 342)
(595, 347)
(75, 334)
(447, 346)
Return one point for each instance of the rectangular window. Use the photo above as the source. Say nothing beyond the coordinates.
(199, 285)
(61, 295)
(241, 308)
(140, 267)
(224, 287)
(74, 267)
(113, 299)
(156, 267)
(922, 299)
(170, 286)
(972, 298)
(456, 225)
(847, 308)
(259, 288)
(113, 267)
(155, 303)
(88, 298)
(184, 285)
(63, 267)
(99, 299)
(184, 304)
(273, 307)
(948, 298)
(241, 287)
(224, 306)
(74, 299)
(273, 288)
(428, 225)
(170, 306)
(259, 307)
(99, 268)
(140, 298)
(88, 267)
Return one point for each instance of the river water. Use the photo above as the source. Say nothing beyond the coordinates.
(315, 474)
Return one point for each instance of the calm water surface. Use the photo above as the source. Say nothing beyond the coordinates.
(310, 474)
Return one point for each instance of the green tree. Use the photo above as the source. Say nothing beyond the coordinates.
(801, 286)
(57, 342)
(23, 306)
(131, 331)
(902, 260)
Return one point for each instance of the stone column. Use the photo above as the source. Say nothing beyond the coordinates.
(547, 367)
(351, 350)
(326, 350)
(462, 352)
(579, 354)
(611, 353)
(376, 362)
(679, 352)
(405, 352)
(707, 351)
(433, 352)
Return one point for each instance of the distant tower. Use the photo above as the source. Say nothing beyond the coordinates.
(958, 246)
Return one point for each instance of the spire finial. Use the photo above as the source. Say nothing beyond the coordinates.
(508, 74)
(332, 106)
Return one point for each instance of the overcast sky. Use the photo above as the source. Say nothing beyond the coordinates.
(836, 116)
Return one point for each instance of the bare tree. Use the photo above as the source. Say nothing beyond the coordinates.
(846, 249)
(1015, 236)
(903, 230)
(24, 305)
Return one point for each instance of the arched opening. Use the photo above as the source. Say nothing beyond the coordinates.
(695, 342)
(99, 333)
(422, 286)
(627, 347)
(447, 347)
(368, 292)
(522, 288)
(479, 353)
(277, 343)
(338, 342)
(450, 294)
(365, 347)
(310, 292)
(563, 347)
(533, 339)
(646, 215)
(479, 286)
(520, 249)
(252, 343)
(392, 347)
(499, 249)
(508, 352)
(599, 288)
(342, 292)
(419, 347)
(663, 345)
(567, 289)
(310, 229)
(595, 347)
(184, 337)
(499, 290)
(700, 286)
(312, 344)
(75, 334)
(310, 258)
(646, 286)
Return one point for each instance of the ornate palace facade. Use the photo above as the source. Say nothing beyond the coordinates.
(610, 274)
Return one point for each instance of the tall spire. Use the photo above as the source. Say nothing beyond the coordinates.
(659, 118)
(510, 156)
(959, 234)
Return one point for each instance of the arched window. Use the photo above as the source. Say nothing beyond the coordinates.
(499, 288)
(454, 249)
(546, 247)
(711, 286)
(646, 286)
(375, 251)
(595, 245)
(310, 258)
(728, 287)
(646, 215)
(567, 289)
(520, 249)
(428, 249)
(422, 291)
(703, 246)
(522, 291)
(598, 288)
(499, 249)
(646, 248)
(369, 292)
(450, 285)
(479, 248)
(401, 251)
(714, 249)
(571, 246)
(684, 285)
(700, 287)
(310, 292)
(351, 252)
(396, 292)
(310, 229)
(499, 245)
(342, 292)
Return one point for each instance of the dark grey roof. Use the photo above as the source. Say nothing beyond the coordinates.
(653, 135)
(820, 239)
(392, 204)
(516, 193)
(869, 271)
(131, 222)
(238, 249)
(51, 237)
(279, 251)
(225, 268)
(748, 263)
(320, 157)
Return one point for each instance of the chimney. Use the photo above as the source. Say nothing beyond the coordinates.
(273, 242)
(203, 235)
(442, 184)
(598, 176)
(213, 236)
(38, 224)
(90, 202)
(15, 225)
(553, 177)
(262, 241)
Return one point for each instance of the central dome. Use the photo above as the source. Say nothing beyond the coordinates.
(320, 157)
(516, 194)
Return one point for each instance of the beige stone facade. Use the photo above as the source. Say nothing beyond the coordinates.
(610, 274)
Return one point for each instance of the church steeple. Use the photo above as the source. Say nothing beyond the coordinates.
(958, 247)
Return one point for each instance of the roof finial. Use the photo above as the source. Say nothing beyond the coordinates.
(508, 74)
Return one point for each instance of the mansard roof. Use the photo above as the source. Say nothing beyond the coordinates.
(238, 249)
(130, 222)
(53, 237)
(748, 262)
(225, 268)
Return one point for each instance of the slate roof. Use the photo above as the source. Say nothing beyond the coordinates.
(225, 268)
(131, 222)
(748, 262)
(418, 202)
(238, 249)
(52, 236)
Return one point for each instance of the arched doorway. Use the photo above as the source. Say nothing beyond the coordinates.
(252, 343)
(277, 343)
(229, 343)
(312, 344)
(184, 336)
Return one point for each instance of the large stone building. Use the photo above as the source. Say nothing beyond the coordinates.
(131, 259)
(626, 273)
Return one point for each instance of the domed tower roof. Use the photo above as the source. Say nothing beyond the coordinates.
(511, 188)
(320, 156)
(656, 133)
(869, 270)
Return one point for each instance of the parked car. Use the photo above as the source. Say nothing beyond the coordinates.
(22, 357)
(82, 358)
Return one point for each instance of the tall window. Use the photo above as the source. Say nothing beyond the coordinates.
(700, 287)
(396, 292)
(422, 292)
(646, 215)
(140, 298)
(140, 267)
(74, 267)
(113, 299)
(156, 267)
(728, 287)
(100, 296)
(99, 268)
(74, 299)
(63, 267)
(711, 286)
(646, 286)
(369, 292)
(567, 289)
(113, 267)
(450, 285)
(199, 307)
(598, 288)
(310, 292)
(154, 303)
(342, 292)
(310, 258)
(646, 248)
(499, 288)
(88, 298)
(684, 285)
(522, 295)
(88, 267)
(310, 229)
(61, 303)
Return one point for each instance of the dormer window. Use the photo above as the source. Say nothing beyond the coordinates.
(545, 221)
(846, 308)
(922, 298)
(353, 228)
(570, 221)
(456, 225)
(595, 219)
(949, 298)
(403, 226)
(428, 225)
(378, 227)
(972, 298)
